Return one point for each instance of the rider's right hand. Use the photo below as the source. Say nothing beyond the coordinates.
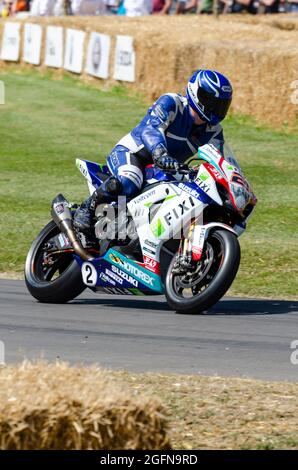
(165, 162)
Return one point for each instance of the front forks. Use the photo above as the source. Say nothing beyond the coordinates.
(184, 261)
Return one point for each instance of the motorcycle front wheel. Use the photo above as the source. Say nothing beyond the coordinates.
(199, 289)
(52, 279)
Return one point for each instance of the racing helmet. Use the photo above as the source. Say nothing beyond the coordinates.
(209, 93)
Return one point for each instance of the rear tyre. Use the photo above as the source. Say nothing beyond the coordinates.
(198, 290)
(57, 281)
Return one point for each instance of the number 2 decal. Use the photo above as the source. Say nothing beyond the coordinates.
(89, 274)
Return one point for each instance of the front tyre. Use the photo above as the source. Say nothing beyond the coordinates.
(52, 279)
(196, 291)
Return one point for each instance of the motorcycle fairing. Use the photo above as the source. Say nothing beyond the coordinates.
(95, 173)
(114, 270)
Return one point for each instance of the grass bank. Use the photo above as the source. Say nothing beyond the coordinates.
(45, 123)
(222, 413)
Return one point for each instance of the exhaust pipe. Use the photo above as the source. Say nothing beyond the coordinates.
(62, 217)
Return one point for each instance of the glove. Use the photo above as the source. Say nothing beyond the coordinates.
(164, 161)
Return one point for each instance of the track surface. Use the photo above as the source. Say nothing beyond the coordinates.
(238, 337)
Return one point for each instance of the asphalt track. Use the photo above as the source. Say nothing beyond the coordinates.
(238, 337)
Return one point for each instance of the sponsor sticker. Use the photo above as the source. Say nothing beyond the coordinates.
(197, 248)
(59, 208)
(180, 210)
(151, 243)
(63, 240)
(204, 176)
(144, 196)
(106, 278)
(83, 170)
(191, 191)
(157, 228)
(204, 186)
(130, 268)
(114, 276)
(121, 274)
(151, 264)
(216, 173)
(149, 251)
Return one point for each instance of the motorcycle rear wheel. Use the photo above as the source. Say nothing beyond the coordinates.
(54, 283)
(197, 291)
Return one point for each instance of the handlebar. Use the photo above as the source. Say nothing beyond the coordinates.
(181, 168)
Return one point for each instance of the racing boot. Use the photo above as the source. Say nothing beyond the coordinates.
(84, 215)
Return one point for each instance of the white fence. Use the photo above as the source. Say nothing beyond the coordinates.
(65, 48)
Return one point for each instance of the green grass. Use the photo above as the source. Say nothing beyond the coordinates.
(46, 123)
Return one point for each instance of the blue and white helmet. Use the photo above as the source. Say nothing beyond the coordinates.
(209, 93)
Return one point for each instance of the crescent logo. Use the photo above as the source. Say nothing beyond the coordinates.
(115, 259)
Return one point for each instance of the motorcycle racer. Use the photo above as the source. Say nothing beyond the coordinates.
(171, 132)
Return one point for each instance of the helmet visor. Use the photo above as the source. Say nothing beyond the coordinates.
(211, 104)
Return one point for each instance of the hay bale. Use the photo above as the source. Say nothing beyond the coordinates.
(54, 406)
(259, 54)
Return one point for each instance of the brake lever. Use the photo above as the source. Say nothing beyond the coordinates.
(183, 169)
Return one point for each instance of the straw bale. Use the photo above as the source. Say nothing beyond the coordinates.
(54, 406)
(259, 54)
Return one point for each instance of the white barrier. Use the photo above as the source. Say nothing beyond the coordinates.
(124, 68)
(98, 55)
(10, 50)
(32, 43)
(72, 58)
(74, 50)
(54, 47)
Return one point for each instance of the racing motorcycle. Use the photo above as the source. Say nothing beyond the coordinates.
(179, 236)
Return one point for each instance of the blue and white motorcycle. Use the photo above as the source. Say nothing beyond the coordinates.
(178, 237)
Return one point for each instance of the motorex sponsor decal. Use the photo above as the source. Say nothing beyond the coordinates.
(149, 279)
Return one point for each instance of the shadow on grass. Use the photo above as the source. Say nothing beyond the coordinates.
(224, 307)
